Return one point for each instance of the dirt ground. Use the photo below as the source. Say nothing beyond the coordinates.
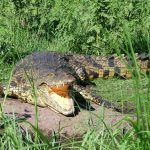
(50, 121)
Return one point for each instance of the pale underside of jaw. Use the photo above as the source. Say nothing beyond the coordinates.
(61, 100)
(62, 104)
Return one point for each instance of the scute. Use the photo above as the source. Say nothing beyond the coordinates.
(43, 68)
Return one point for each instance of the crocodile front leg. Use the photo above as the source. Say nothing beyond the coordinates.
(89, 95)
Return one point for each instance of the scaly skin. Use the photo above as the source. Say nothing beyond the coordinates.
(109, 66)
(50, 77)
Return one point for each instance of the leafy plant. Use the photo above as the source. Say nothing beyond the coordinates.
(92, 27)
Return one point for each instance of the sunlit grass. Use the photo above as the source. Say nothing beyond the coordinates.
(100, 136)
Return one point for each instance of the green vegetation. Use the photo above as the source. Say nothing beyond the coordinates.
(91, 27)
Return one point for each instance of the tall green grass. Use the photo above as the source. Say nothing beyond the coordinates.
(142, 124)
(72, 27)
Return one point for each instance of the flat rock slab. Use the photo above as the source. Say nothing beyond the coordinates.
(51, 121)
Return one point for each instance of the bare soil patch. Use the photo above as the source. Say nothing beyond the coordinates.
(50, 121)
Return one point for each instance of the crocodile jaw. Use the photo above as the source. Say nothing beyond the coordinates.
(58, 98)
(59, 101)
(63, 105)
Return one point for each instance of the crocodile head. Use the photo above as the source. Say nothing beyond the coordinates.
(53, 86)
(59, 96)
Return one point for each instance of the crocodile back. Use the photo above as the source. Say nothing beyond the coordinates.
(43, 67)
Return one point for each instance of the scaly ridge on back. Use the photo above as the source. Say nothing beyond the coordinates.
(109, 66)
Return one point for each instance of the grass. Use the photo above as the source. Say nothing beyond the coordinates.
(98, 137)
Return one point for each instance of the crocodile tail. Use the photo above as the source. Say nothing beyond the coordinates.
(122, 66)
(143, 62)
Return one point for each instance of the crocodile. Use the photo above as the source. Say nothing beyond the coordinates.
(51, 79)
